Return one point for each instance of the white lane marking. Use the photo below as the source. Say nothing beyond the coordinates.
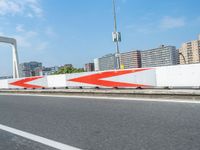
(111, 98)
(38, 139)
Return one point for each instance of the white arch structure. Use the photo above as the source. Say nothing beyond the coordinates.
(15, 58)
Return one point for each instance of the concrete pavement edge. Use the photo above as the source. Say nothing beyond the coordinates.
(189, 94)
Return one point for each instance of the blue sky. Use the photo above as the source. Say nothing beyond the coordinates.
(58, 32)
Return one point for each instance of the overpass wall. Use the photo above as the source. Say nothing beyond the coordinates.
(178, 76)
(169, 76)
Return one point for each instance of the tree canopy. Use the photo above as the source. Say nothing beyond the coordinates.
(67, 70)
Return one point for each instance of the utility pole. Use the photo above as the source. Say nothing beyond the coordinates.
(116, 36)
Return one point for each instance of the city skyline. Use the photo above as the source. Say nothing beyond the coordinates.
(58, 33)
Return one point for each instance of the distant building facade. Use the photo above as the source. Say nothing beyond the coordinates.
(131, 59)
(29, 69)
(49, 70)
(96, 64)
(6, 77)
(89, 67)
(190, 52)
(162, 56)
(68, 65)
(106, 62)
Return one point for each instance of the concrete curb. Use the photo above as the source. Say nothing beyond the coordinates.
(144, 93)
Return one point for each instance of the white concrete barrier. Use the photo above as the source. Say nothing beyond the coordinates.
(54, 81)
(170, 76)
(28, 83)
(4, 84)
(178, 76)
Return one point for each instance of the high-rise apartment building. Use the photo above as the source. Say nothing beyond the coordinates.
(131, 59)
(30, 69)
(162, 56)
(89, 67)
(106, 62)
(96, 64)
(190, 52)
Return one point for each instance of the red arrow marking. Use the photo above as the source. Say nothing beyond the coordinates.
(23, 83)
(96, 79)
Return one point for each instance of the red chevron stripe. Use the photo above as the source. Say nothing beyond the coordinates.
(97, 79)
(23, 83)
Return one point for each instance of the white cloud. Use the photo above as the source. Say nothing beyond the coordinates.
(172, 22)
(36, 8)
(42, 46)
(9, 7)
(198, 19)
(147, 26)
(20, 28)
(144, 28)
(124, 1)
(50, 32)
(29, 40)
(25, 39)
(21, 7)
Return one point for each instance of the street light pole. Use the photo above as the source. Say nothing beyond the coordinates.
(181, 54)
(116, 38)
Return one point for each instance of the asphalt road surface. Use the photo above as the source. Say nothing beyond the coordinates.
(99, 124)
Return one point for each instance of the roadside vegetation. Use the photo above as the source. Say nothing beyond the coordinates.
(67, 70)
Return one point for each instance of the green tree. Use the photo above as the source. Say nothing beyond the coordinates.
(67, 70)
